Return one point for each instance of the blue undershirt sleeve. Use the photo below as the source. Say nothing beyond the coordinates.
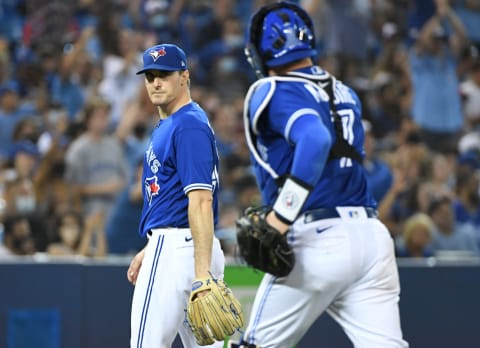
(312, 143)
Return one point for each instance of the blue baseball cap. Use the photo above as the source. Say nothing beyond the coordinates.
(165, 57)
(24, 146)
(10, 86)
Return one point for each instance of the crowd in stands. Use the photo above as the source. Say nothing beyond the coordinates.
(75, 119)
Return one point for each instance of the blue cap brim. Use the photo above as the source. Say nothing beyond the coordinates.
(158, 67)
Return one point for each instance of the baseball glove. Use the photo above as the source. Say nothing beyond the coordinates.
(263, 246)
(215, 315)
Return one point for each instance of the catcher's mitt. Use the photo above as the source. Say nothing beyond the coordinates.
(215, 315)
(263, 246)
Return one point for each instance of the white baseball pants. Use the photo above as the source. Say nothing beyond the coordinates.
(163, 288)
(345, 266)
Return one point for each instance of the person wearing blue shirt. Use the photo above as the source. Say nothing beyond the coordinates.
(180, 188)
(378, 172)
(304, 132)
(436, 105)
(12, 111)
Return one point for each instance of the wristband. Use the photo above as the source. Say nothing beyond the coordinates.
(291, 199)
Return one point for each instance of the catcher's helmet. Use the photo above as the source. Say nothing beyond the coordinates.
(280, 33)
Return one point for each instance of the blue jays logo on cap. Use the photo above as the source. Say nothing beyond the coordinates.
(167, 57)
(160, 53)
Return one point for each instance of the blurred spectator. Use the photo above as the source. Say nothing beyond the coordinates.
(4, 251)
(408, 164)
(65, 86)
(121, 226)
(12, 16)
(120, 84)
(133, 131)
(26, 129)
(53, 193)
(379, 174)
(468, 163)
(447, 234)
(419, 12)
(226, 228)
(470, 92)
(391, 90)
(78, 236)
(436, 105)
(346, 33)
(246, 192)
(233, 167)
(317, 11)
(5, 60)
(417, 235)
(469, 13)
(206, 21)
(49, 23)
(96, 166)
(161, 17)
(467, 202)
(226, 123)
(18, 235)
(223, 58)
(93, 241)
(19, 192)
(54, 130)
(12, 110)
(442, 175)
(469, 144)
(68, 232)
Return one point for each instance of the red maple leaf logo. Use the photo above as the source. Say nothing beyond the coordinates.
(154, 187)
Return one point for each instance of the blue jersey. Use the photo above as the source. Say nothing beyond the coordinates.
(182, 156)
(273, 106)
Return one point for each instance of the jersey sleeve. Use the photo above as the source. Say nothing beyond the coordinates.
(195, 158)
(288, 105)
(295, 114)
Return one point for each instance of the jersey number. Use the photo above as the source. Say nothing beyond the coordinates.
(347, 116)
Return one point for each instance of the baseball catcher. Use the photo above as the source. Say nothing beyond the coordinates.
(214, 315)
(262, 245)
(305, 138)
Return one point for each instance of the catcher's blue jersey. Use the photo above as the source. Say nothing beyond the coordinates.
(273, 106)
(182, 156)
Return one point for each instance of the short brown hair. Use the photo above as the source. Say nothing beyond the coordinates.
(91, 105)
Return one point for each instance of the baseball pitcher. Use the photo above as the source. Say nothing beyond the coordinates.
(178, 275)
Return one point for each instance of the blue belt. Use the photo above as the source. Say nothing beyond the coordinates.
(326, 213)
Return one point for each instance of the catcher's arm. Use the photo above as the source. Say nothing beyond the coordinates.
(274, 221)
(312, 142)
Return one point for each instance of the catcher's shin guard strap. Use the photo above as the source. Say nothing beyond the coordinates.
(291, 199)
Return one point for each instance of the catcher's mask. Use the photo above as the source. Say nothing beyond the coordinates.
(280, 33)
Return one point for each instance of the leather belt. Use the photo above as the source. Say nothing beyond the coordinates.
(330, 213)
